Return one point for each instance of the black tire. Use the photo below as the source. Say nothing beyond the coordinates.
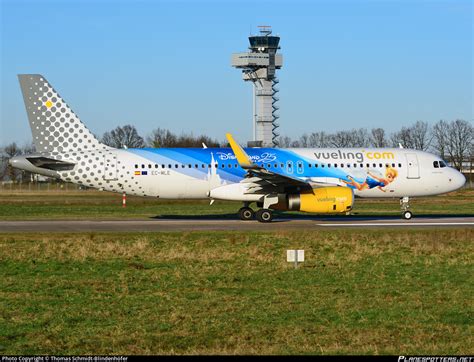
(264, 215)
(246, 214)
(407, 215)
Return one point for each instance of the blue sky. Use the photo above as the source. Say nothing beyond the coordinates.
(166, 64)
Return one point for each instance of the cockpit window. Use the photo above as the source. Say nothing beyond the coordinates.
(436, 164)
(442, 164)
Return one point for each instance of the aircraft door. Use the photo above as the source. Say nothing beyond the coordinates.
(299, 167)
(412, 165)
(110, 167)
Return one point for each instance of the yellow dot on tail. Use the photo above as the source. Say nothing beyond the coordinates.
(49, 104)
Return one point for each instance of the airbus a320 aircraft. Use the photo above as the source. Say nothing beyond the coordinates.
(321, 181)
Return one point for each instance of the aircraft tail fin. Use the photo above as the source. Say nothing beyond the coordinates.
(54, 125)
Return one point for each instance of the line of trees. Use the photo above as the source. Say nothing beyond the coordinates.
(451, 140)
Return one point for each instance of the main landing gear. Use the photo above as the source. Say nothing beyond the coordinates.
(263, 215)
(405, 206)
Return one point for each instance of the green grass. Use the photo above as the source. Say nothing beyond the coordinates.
(103, 205)
(359, 292)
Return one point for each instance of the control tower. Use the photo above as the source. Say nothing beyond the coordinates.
(259, 66)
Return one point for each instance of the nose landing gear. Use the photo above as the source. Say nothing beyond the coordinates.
(405, 206)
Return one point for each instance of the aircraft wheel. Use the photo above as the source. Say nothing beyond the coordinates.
(246, 213)
(264, 215)
(407, 215)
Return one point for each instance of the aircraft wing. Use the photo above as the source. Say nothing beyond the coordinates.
(261, 180)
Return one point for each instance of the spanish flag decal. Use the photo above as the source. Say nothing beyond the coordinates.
(137, 173)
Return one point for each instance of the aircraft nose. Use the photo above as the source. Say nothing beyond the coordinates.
(457, 179)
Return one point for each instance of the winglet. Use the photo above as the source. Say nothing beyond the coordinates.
(242, 158)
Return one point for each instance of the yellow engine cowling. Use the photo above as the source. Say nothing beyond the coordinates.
(324, 200)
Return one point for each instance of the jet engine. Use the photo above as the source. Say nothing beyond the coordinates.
(324, 200)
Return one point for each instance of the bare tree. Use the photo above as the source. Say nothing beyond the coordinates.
(417, 137)
(377, 138)
(459, 145)
(360, 138)
(441, 137)
(319, 139)
(123, 137)
(421, 136)
(403, 137)
(162, 138)
(284, 141)
(304, 140)
(189, 140)
(341, 139)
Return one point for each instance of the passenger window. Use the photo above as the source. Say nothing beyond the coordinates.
(183, 165)
(316, 165)
(361, 165)
(149, 165)
(143, 166)
(436, 164)
(329, 165)
(222, 165)
(380, 165)
(229, 165)
(156, 165)
(342, 165)
(169, 166)
(375, 165)
(400, 165)
(268, 166)
(162, 166)
(393, 165)
(355, 165)
(175, 165)
(335, 165)
(136, 166)
(322, 166)
(309, 165)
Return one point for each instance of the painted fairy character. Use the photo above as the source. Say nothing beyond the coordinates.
(373, 181)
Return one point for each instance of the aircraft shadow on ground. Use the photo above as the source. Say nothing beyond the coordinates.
(282, 217)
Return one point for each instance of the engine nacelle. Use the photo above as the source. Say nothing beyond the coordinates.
(324, 200)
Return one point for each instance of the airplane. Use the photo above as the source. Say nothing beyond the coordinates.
(314, 180)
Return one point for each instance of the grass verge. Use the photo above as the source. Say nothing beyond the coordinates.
(359, 292)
